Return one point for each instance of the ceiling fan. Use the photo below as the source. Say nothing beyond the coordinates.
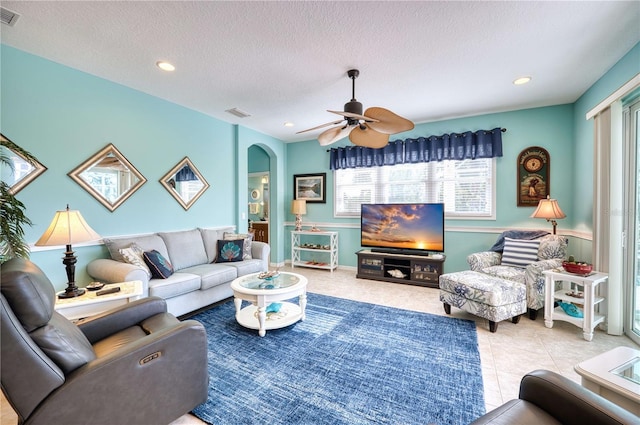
(370, 130)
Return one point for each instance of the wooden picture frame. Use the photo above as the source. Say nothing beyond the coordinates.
(534, 164)
(310, 187)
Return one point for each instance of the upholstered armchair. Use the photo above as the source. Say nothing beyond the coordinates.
(551, 252)
(135, 364)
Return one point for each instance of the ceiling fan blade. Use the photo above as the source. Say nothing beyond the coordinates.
(320, 126)
(334, 134)
(387, 122)
(368, 137)
(352, 115)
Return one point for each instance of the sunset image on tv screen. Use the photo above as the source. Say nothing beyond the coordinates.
(403, 226)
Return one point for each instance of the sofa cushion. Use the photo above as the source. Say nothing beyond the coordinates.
(186, 248)
(246, 248)
(246, 267)
(160, 267)
(516, 274)
(135, 255)
(230, 251)
(213, 274)
(177, 284)
(147, 243)
(210, 238)
(520, 252)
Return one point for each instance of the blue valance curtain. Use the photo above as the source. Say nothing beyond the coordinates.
(454, 146)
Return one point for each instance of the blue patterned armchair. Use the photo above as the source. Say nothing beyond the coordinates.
(551, 253)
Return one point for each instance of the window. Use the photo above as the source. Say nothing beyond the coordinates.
(466, 187)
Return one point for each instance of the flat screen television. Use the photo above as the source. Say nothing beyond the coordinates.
(414, 228)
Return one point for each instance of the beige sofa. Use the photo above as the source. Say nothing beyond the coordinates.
(198, 280)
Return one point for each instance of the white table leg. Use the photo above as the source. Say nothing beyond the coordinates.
(262, 318)
(238, 303)
(303, 304)
(549, 287)
(587, 324)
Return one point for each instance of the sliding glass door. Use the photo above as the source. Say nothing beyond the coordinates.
(631, 275)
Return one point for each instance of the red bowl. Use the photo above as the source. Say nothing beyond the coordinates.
(577, 268)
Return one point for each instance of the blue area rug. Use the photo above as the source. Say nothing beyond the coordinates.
(347, 363)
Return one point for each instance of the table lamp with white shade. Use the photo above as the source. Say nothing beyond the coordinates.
(66, 228)
(299, 208)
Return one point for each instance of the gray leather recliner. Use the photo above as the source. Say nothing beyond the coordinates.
(136, 364)
(549, 398)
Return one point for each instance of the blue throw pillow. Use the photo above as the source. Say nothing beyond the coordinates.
(229, 251)
(160, 267)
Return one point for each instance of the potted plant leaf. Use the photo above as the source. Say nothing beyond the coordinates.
(12, 211)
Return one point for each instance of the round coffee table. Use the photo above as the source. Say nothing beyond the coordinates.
(268, 309)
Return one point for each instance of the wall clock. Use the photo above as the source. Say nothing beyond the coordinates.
(533, 176)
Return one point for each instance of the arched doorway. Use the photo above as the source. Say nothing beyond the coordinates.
(259, 194)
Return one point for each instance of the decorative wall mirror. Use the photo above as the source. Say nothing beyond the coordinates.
(108, 177)
(21, 172)
(185, 183)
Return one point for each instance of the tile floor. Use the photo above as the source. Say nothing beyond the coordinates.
(506, 355)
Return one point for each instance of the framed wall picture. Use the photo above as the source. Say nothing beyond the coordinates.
(310, 187)
(534, 164)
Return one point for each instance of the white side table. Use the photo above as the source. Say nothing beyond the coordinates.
(330, 249)
(89, 304)
(590, 289)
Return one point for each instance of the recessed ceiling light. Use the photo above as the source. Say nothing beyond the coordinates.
(288, 124)
(165, 66)
(521, 80)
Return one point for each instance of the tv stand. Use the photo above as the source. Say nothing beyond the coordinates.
(411, 269)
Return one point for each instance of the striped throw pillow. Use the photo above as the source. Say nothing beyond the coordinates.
(519, 252)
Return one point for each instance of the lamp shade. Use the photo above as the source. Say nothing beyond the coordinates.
(298, 207)
(549, 209)
(66, 228)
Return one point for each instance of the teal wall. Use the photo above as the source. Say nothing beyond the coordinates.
(562, 130)
(550, 127)
(63, 116)
(258, 159)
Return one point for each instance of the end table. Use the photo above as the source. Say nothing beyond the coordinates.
(591, 298)
(90, 304)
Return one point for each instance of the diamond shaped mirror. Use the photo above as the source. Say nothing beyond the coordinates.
(17, 171)
(185, 183)
(108, 177)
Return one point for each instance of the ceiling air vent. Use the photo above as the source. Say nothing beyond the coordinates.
(238, 113)
(8, 17)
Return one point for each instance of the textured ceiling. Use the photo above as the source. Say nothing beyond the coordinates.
(287, 61)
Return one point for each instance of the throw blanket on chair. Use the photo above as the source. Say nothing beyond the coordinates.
(516, 234)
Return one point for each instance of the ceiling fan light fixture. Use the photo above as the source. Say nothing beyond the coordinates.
(370, 130)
